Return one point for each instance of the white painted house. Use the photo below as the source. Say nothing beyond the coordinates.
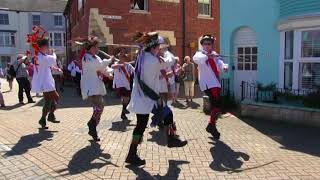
(13, 29)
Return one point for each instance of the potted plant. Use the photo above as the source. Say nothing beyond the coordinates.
(266, 93)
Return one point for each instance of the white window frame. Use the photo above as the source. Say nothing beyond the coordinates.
(5, 19)
(54, 20)
(297, 57)
(146, 7)
(52, 38)
(33, 19)
(210, 10)
(11, 34)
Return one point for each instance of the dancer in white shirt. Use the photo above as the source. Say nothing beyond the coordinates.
(210, 66)
(145, 93)
(122, 73)
(92, 86)
(43, 82)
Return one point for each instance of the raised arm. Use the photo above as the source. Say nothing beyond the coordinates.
(200, 58)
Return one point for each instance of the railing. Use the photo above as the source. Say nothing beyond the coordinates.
(253, 92)
(225, 87)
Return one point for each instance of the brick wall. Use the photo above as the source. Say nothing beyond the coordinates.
(165, 15)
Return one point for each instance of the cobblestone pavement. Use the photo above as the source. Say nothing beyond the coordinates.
(249, 149)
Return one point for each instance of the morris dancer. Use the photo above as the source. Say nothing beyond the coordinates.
(122, 73)
(43, 82)
(92, 86)
(210, 67)
(145, 93)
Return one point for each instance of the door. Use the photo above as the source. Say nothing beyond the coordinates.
(246, 61)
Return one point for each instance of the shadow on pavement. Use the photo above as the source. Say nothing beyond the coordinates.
(226, 159)
(292, 137)
(30, 141)
(9, 108)
(84, 159)
(172, 173)
(158, 137)
(121, 126)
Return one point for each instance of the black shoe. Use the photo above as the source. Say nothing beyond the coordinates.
(126, 111)
(124, 117)
(22, 103)
(175, 141)
(42, 123)
(31, 101)
(52, 118)
(212, 129)
(134, 159)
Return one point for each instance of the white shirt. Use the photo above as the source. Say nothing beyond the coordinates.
(42, 80)
(90, 82)
(141, 103)
(169, 61)
(74, 69)
(207, 78)
(119, 77)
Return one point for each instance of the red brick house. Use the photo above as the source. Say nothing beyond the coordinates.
(182, 21)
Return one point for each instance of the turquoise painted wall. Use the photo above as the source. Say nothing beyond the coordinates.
(262, 16)
(298, 7)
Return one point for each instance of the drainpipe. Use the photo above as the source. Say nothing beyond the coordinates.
(183, 28)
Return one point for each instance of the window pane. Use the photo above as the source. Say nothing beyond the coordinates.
(248, 58)
(248, 50)
(4, 19)
(240, 59)
(254, 58)
(247, 66)
(240, 51)
(36, 20)
(57, 39)
(254, 66)
(254, 50)
(309, 75)
(311, 43)
(288, 70)
(139, 4)
(288, 51)
(240, 66)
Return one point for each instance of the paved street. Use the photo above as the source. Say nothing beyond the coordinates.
(249, 149)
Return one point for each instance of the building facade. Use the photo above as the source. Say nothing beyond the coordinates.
(13, 30)
(272, 41)
(17, 17)
(249, 34)
(182, 23)
(299, 27)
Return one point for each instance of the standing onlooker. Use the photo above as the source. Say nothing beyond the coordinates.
(9, 77)
(30, 66)
(1, 96)
(189, 78)
(75, 72)
(178, 73)
(57, 74)
(22, 78)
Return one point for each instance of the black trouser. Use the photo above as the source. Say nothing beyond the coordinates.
(24, 84)
(142, 121)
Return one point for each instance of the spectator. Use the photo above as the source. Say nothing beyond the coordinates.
(1, 96)
(8, 76)
(22, 78)
(75, 71)
(189, 78)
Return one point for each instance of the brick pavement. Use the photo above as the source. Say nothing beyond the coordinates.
(249, 149)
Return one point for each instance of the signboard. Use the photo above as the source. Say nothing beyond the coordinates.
(112, 17)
